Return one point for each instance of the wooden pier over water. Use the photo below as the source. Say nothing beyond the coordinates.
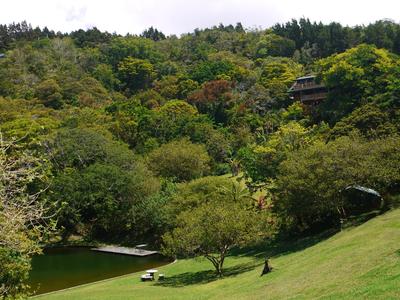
(125, 250)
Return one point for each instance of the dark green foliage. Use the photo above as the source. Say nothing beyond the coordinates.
(153, 33)
(79, 148)
(49, 92)
(207, 71)
(90, 38)
(101, 200)
(311, 181)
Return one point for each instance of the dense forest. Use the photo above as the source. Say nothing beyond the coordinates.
(124, 139)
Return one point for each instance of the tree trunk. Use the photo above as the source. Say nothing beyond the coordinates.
(217, 263)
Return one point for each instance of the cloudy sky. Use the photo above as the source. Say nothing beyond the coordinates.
(180, 16)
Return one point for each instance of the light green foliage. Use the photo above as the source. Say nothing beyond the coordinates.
(180, 160)
(22, 217)
(294, 112)
(274, 45)
(277, 75)
(192, 194)
(368, 120)
(177, 109)
(261, 161)
(135, 73)
(212, 229)
(356, 77)
(120, 48)
(172, 118)
(26, 121)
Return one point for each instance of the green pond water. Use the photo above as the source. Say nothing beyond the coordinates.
(60, 268)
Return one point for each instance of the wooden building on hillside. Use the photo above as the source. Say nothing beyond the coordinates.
(307, 91)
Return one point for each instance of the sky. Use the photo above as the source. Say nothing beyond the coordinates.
(180, 16)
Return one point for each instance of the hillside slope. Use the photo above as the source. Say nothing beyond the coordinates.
(358, 263)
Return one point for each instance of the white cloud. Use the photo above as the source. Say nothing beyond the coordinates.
(75, 14)
(179, 16)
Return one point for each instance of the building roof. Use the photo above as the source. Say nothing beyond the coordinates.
(306, 77)
(363, 189)
(298, 85)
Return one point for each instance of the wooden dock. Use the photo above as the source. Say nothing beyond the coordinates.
(125, 250)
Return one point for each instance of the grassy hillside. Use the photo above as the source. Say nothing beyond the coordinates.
(358, 263)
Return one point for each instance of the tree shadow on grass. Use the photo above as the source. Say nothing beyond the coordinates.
(202, 277)
(280, 246)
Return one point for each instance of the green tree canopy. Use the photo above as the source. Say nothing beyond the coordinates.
(180, 160)
(311, 180)
(136, 74)
(211, 230)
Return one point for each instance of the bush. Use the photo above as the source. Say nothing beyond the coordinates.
(180, 160)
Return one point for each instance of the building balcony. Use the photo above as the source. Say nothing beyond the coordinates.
(313, 97)
(306, 86)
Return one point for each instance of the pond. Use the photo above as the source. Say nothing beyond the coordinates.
(60, 268)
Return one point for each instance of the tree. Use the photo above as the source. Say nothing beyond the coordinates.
(368, 120)
(23, 225)
(98, 180)
(102, 200)
(356, 77)
(171, 119)
(261, 161)
(214, 99)
(136, 73)
(50, 93)
(154, 34)
(192, 194)
(212, 229)
(105, 75)
(277, 74)
(212, 70)
(180, 160)
(274, 45)
(311, 180)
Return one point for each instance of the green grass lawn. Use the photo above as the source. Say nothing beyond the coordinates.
(358, 263)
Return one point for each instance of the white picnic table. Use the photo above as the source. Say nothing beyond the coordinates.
(151, 271)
